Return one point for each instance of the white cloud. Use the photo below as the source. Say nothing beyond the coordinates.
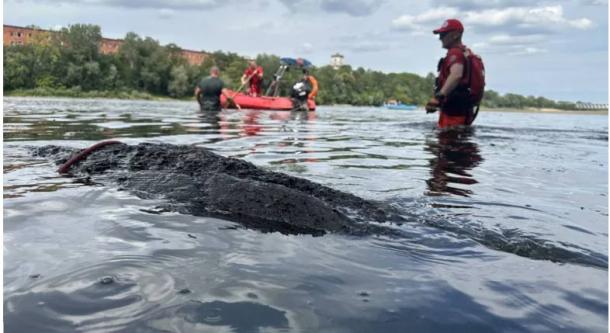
(528, 51)
(368, 46)
(306, 48)
(479, 4)
(369, 42)
(581, 24)
(350, 7)
(416, 22)
(595, 2)
(511, 45)
(544, 18)
(261, 26)
(165, 13)
(154, 4)
(541, 19)
(523, 39)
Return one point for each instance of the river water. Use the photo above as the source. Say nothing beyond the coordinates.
(507, 231)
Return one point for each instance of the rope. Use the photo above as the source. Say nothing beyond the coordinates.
(64, 168)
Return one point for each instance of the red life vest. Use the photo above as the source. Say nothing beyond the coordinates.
(474, 76)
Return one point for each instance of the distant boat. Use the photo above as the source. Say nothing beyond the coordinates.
(400, 106)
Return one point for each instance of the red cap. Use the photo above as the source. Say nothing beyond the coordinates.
(450, 25)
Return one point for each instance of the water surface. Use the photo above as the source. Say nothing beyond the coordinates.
(507, 225)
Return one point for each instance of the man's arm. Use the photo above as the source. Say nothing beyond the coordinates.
(453, 80)
(230, 99)
(197, 92)
(314, 87)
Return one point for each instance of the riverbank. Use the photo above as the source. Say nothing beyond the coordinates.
(134, 95)
(546, 110)
(78, 93)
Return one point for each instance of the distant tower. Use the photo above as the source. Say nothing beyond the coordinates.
(336, 60)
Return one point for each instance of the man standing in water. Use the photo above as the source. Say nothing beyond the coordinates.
(453, 93)
(208, 91)
(253, 76)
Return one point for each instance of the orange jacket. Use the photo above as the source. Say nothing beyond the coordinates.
(314, 87)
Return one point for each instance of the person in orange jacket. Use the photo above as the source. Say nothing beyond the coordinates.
(303, 91)
(312, 82)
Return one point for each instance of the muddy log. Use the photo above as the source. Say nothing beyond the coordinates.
(197, 181)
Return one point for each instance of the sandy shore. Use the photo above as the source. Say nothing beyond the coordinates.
(548, 110)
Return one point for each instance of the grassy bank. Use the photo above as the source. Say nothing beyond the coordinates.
(78, 93)
(546, 110)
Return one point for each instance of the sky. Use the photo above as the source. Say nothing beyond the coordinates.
(556, 49)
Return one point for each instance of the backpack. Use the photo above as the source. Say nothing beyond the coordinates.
(475, 76)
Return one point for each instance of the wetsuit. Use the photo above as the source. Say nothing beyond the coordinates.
(209, 96)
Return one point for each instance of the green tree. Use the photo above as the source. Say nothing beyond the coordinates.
(179, 84)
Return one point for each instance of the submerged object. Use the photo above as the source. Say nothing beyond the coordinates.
(197, 181)
(261, 102)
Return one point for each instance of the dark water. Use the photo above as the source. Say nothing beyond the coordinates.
(507, 233)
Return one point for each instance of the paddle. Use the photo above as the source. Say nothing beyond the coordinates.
(232, 98)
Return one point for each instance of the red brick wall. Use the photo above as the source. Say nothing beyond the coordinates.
(22, 36)
(19, 36)
(194, 57)
(110, 46)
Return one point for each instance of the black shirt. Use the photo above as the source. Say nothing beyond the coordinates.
(211, 88)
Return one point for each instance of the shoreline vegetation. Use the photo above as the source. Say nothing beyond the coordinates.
(69, 63)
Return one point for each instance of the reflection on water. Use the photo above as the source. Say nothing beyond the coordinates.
(454, 153)
(252, 122)
(230, 316)
(84, 257)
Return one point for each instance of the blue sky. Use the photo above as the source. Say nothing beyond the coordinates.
(555, 49)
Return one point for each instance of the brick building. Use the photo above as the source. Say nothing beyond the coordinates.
(14, 35)
(193, 57)
(20, 36)
(110, 46)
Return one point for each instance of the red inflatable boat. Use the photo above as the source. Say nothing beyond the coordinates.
(261, 103)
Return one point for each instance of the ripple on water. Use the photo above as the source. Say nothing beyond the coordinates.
(103, 297)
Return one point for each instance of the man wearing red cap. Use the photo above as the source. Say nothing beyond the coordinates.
(451, 91)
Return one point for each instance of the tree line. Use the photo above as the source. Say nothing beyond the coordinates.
(68, 62)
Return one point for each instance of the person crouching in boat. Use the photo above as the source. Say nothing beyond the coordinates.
(208, 91)
(303, 91)
(253, 76)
